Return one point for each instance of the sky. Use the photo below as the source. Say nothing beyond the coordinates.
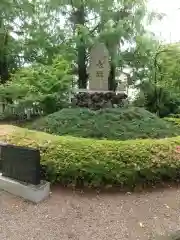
(169, 28)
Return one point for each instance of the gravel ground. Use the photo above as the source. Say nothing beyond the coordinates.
(89, 216)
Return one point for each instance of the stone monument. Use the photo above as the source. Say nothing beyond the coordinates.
(99, 68)
(98, 95)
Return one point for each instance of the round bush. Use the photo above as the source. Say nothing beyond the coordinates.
(112, 124)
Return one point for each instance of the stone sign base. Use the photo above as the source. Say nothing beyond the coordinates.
(29, 192)
(97, 100)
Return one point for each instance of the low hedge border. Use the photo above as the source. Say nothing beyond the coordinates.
(176, 121)
(98, 163)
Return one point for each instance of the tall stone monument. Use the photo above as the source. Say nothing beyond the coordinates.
(97, 95)
(99, 68)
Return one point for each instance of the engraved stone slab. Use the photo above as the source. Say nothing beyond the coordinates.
(99, 68)
(20, 163)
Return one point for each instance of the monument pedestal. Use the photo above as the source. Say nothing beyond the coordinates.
(98, 99)
(29, 192)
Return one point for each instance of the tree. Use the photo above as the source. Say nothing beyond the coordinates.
(167, 64)
(11, 12)
(139, 58)
(157, 99)
(39, 80)
(73, 26)
(69, 28)
(115, 23)
(159, 90)
(47, 85)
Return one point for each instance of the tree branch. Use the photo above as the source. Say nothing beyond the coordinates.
(95, 28)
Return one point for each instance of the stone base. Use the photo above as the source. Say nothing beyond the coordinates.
(27, 191)
(97, 100)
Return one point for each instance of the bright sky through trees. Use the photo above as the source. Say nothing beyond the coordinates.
(168, 28)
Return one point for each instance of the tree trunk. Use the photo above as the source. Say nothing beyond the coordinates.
(82, 72)
(4, 73)
(81, 50)
(112, 77)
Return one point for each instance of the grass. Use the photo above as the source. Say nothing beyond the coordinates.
(112, 124)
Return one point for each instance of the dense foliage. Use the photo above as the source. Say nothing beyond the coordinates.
(119, 24)
(175, 121)
(157, 99)
(122, 124)
(168, 61)
(45, 87)
(159, 92)
(93, 163)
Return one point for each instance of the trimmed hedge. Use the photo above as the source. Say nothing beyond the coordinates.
(174, 116)
(176, 121)
(95, 163)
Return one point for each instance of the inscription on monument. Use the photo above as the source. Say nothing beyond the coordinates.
(20, 163)
(99, 68)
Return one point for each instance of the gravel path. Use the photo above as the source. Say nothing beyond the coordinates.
(78, 216)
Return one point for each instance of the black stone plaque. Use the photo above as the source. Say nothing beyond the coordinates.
(20, 163)
(1, 144)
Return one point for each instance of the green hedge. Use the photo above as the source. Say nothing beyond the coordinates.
(112, 124)
(75, 161)
(174, 116)
(176, 121)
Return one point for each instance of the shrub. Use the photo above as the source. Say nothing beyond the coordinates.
(157, 99)
(175, 121)
(174, 115)
(117, 124)
(45, 86)
(88, 162)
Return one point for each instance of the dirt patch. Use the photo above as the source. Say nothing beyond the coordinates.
(79, 216)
